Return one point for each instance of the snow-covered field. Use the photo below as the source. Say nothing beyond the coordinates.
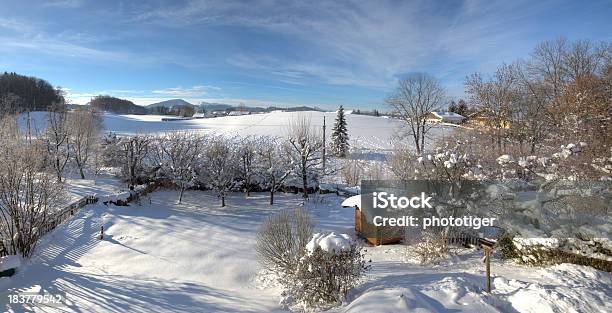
(366, 132)
(160, 256)
(196, 257)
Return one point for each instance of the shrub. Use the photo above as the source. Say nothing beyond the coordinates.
(324, 277)
(281, 241)
(351, 172)
(432, 248)
(507, 248)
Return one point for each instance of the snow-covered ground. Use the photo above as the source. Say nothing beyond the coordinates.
(165, 257)
(366, 132)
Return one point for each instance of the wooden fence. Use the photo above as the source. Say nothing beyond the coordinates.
(64, 214)
(461, 236)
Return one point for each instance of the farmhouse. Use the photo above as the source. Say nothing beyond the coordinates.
(376, 235)
(444, 117)
(481, 119)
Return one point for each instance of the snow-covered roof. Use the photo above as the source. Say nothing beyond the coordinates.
(352, 202)
(448, 115)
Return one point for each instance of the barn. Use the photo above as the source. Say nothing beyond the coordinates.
(371, 233)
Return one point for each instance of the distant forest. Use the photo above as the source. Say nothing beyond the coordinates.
(20, 93)
(116, 105)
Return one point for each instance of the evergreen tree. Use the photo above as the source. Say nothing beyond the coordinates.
(462, 108)
(452, 107)
(339, 137)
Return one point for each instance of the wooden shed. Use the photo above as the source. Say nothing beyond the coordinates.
(368, 231)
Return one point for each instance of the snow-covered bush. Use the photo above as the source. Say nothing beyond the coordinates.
(432, 248)
(596, 253)
(446, 163)
(507, 248)
(281, 241)
(332, 266)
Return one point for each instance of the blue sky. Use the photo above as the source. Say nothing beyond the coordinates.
(321, 53)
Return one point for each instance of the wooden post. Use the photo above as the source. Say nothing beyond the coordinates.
(488, 261)
(324, 144)
(101, 232)
(487, 247)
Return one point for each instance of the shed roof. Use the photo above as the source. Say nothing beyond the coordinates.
(352, 202)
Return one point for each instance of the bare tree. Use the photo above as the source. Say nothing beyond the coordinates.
(352, 171)
(134, 150)
(416, 96)
(276, 165)
(57, 136)
(247, 154)
(548, 61)
(176, 155)
(545, 80)
(531, 116)
(86, 126)
(496, 98)
(221, 165)
(28, 189)
(305, 150)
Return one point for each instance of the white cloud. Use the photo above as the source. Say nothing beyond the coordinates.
(195, 91)
(364, 43)
(63, 3)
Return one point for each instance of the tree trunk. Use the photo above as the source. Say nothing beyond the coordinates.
(222, 201)
(422, 138)
(271, 197)
(181, 194)
(57, 169)
(304, 180)
(81, 172)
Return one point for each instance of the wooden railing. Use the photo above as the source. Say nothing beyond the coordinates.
(64, 214)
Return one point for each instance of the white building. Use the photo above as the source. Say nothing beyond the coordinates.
(444, 117)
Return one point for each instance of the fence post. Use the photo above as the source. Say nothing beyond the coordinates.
(487, 246)
(488, 260)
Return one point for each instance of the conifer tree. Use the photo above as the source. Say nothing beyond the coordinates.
(339, 137)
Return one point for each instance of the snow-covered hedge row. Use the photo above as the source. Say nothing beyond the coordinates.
(220, 163)
(542, 251)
